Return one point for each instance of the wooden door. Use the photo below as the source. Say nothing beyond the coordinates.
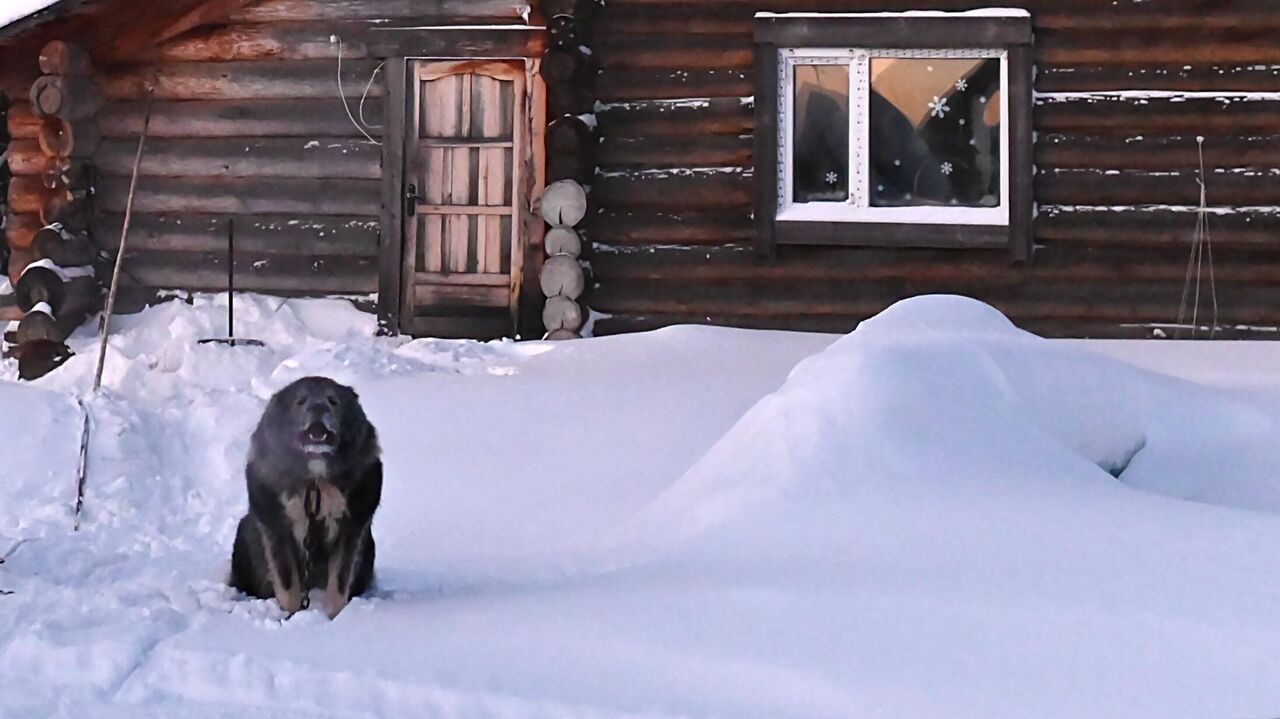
(465, 152)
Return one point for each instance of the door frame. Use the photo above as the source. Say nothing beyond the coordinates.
(392, 241)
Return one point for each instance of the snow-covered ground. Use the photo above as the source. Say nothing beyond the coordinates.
(922, 518)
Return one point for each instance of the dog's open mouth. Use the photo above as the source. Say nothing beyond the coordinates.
(318, 439)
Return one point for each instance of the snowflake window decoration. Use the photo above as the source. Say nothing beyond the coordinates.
(946, 168)
(938, 107)
(832, 178)
(962, 84)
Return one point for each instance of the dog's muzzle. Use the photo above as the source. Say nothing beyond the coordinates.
(318, 439)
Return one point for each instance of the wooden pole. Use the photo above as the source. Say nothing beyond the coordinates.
(124, 234)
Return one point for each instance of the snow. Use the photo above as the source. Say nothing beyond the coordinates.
(917, 519)
(13, 10)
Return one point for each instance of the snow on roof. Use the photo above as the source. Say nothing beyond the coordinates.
(979, 12)
(12, 10)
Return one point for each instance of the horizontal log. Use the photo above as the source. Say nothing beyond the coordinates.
(243, 157)
(260, 234)
(1138, 187)
(1142, 152)
(273, 41)
(612, 226)
(1055, 262)
(1242, 45)
(1144, 227)
(673, 152)
(1138, 227)
(26, 158)
(1233, 18)
(438, 11)
(248, 196)
(22, 122)
(1144, 302)
(1204, 77)
(201, 271)
(621, 20)
(27, 194)
(688, 190)
(20, 230)
(683, 51)
(678, 117)
(244, 81)
(621, 84)
(1193, 115)
(386, 41)
(310, 119)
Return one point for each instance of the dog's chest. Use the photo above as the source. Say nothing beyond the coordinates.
(329, 505)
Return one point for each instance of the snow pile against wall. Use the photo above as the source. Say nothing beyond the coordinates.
(946, 389)
(920, 519)
(18, 9)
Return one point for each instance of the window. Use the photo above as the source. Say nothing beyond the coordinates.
(909, 129)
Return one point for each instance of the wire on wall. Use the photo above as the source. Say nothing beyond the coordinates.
(343, 95)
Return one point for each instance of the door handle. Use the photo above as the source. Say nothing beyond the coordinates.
(411, 200)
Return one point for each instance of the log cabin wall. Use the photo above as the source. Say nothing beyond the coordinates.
(247, 124)
(1124, 88)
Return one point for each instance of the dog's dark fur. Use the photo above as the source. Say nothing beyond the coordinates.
(313, 436)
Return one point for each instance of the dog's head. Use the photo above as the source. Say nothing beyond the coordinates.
(315, 417)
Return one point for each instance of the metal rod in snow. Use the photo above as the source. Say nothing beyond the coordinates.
(82, 467)
(124, 234)
(231, 281)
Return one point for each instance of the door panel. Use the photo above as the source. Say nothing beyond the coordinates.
(463, 153)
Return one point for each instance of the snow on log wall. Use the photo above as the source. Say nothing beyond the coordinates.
(1124, 87)
(248, 124)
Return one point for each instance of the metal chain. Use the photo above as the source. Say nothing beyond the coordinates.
(310, 542)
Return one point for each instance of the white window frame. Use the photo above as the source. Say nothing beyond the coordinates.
(857, 208)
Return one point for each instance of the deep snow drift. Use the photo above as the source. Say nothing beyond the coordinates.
(935, 515)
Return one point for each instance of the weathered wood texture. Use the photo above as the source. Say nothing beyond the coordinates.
(248, 124)
(1116, 184)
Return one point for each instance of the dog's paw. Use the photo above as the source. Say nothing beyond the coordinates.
(290, 601)
(334, 603)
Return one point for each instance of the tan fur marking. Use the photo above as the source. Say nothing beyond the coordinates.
(290, 601)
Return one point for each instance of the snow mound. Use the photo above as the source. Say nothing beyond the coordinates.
(944, 393)
(937, 515)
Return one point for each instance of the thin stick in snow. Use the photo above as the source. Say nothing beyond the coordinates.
(124, 234)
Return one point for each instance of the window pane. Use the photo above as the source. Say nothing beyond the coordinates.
(935, 132)
(820, 148)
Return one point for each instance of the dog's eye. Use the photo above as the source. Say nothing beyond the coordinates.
(333, 401)
(301, 401)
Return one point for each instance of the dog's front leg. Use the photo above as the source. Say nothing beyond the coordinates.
(282, 565)
(342, 562)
